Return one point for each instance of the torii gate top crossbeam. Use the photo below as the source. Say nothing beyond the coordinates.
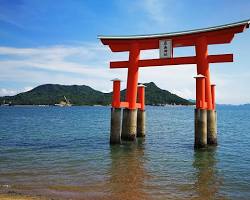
(215, 35)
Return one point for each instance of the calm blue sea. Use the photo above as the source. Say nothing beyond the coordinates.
(64, 152)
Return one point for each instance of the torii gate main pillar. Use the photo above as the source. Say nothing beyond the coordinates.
(205, 114)
(129, 126)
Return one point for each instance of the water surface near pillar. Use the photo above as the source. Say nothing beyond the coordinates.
(65, 153)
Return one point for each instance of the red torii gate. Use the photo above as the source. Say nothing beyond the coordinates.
(200, 39)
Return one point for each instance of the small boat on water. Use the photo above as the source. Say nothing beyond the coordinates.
(6, 104)
(65, 103)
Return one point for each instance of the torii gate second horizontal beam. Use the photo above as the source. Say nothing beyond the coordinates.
(173, 61)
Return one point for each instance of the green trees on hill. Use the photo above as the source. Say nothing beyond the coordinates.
(50, 94)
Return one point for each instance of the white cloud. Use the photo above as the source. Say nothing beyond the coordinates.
(86, 63)
(11, 92)
(87, 60)
(7, 92)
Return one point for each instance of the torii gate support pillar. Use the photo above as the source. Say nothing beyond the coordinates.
(129, 124)
(141, 112)
(200, 130)
(212, 121)
(115, 128)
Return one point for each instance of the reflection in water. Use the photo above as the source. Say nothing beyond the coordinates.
(127, 172)
(208, 181)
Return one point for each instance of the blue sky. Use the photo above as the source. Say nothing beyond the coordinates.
(44, 41)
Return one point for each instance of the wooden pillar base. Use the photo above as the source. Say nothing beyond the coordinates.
(115, 131)
(211, 127)
(200, 128)
(129, 123)
(141, 123)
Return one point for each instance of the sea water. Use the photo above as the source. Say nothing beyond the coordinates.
(64, 152)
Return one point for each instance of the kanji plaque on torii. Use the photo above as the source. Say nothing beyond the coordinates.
(166, 48)
(205, 114)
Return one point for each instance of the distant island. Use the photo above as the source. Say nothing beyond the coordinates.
(53, 94)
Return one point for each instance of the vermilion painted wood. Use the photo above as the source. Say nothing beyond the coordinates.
(116, 94)
(200, 93)
(138, 105)
(213, 37)
(124, 104)
(220, 58)
(173, 61)
(203, 67)
(132, 81)
(154, 43)
(141, 97)
(213, 96)
(155, 62)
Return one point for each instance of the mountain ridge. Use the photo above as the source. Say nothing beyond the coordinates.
(51, 94)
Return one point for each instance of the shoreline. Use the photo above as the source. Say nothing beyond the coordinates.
(96, 105)
(12, 195)
(15, 194)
